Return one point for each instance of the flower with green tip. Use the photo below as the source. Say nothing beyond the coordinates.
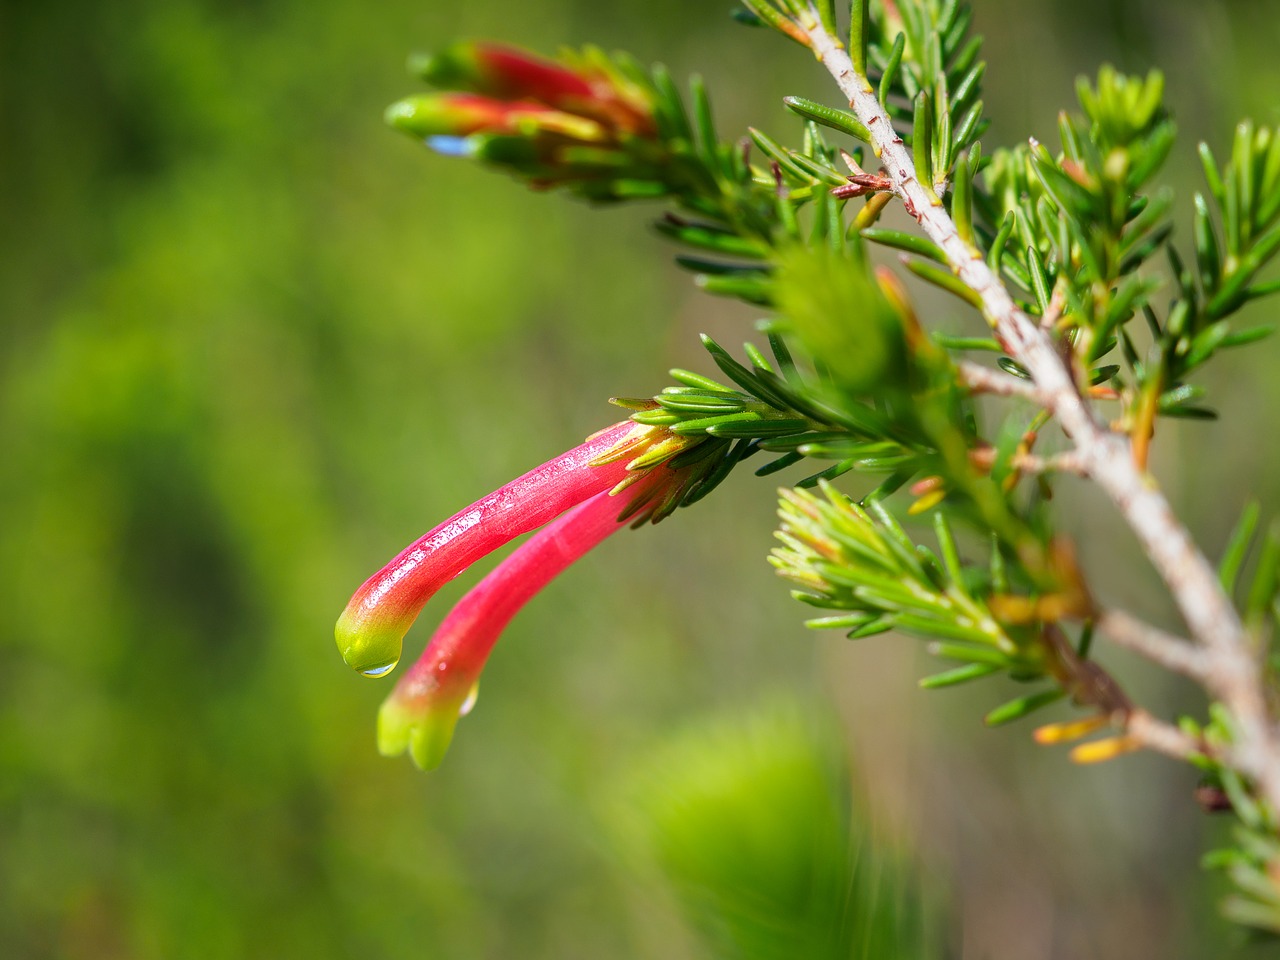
(441, 687)
(629, 474)
(432, 115)
(589, 85)
(371, 630)
(582, 122)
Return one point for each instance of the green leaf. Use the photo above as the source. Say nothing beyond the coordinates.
(1266, 579)
(996, 253)
(910, 242)
(1211, 175)
(950, 555)
(709, 237)
(1208, 255)
(1238, 338)
(840, 314)
(759, 428)
(777, 153)
(781, 463)
(962, 195)
(755, 289)
(946, 281)
(970, 653)
(704, 128)
(922, 139)
(1021, 707)
(951, 678)
(892, 67)
(818, 171)
(1071, 198)
(841, 120)
(968, 129)
(1238, 546)
(858, 32)
(967, 343)
(1039, 281)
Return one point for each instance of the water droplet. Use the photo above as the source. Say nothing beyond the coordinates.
(470, 702)
(379, 670)
(452, 146)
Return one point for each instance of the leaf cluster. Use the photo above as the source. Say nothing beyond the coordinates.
(1083, 238)
(1251, 860)
(1075, 233)
(859, 559)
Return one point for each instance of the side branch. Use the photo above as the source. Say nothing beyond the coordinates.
(1235, 677)
(1172, 653)
(982, 379)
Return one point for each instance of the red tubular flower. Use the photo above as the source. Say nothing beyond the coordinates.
(508, 73)
(584, 122)
(588, 85)
(462, 114)
(421, 714)
(371, 630)
(630, 473)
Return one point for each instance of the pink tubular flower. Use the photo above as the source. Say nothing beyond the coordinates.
(371, 630)
(508, 73)
(584, 122)
(588, 85)
(630, 473)
(441, 687)
(462, 114)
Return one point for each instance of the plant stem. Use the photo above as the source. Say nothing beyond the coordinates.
(1170, 652)
(1233, 675)
(982, 379)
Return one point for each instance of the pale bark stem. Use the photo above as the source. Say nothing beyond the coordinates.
(982, 379)
(1235, 677)
(1161, 737)
(1170, 652)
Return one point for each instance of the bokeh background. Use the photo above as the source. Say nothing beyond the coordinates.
(252, 343)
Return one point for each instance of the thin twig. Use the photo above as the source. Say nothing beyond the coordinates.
(1089, 684)
(1169, 651)
(1235, 678)
(982, 379)
(1069, 461)
(1162, 737)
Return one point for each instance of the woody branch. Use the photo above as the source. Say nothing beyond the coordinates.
(1233, 675)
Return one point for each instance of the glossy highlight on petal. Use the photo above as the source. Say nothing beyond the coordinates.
(371, 630)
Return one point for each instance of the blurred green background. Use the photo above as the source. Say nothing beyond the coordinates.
(252, 343)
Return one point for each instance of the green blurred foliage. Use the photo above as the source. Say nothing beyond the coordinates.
(252, 342)
(750, 821)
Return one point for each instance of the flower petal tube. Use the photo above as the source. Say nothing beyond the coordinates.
(371, 630)
(504, 72)
(460, 114)
(585, 122)
(421, 714)
(587, 85)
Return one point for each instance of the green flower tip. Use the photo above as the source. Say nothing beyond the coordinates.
(405, 115)
(424, 730)
(453, 68)
(371, 652)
